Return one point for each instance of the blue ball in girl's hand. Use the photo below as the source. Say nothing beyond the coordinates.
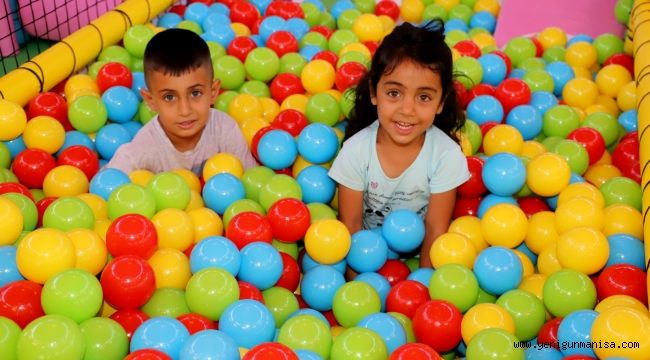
(403, 230)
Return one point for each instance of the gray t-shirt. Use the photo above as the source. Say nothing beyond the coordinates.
(152, 150)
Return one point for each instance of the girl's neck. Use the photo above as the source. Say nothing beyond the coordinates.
(395, 158)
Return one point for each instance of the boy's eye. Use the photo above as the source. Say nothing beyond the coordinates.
(196, 93)
(168, 97)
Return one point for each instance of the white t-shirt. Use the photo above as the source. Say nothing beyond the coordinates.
(152, 150)
(440, 166)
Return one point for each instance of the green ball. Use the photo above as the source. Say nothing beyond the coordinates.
(353, 301)
(622, 10)
(412, 263)
(254, 179)
(455, 36)
(216, 50)
(323, 108)
(560, 121)
(456, 284)
(7, 175)
(224, 99)
(355, 56)
(262, 64)
(68, 213)
(145, 113)
(169, 190)
(575, 154)
(137, 65)
(469, 3)
(365, 6)
(191, 26)
(605, 124)
(210, 291)
(474, 134)
(341, 38)
(87, 114)
(240, 206)
(468, 71)
(37, 194)
(485, 297)
(320, 211)
(527, 311)
(533, 63)
(539, 80)
(462, 12)
(407, 324)
(292, 63)
(168, 302)
(115, 53)
(312, 13)
(105, 339)
(290, 249)
(5, 156)
(450, 355)
(57, 336)
(256, 88)
(327, 20)
(566, 291)
(489, 49)
(553, 54)
(27, 209)
(519, 49)
(306, 332)
(359, 343)
(347, 18)
(131, 199)
(93, 69)
(478, 30)
(494, 343)
(551, 142)
(622, 190)
(607, 45)
(281, 302)
(433, 11)
(9, 340)
(230, 72)
(347, 102)
(73, 293)
(136, 39)
(279, 187)
(525, 190)
(314, 38)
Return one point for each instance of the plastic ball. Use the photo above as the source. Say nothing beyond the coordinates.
(504, 174)
(210, 291)
(56, 335)
(131, 199)
(359, 342)
(621, 218)
(262, 64)
(13, 225)
(221, 190)
(619, 325)
(327, 241)
(622, 190)
(91, 252)
(215, 251)
(248, 227)
(403, 230)
(368, 251)
(494, 342)
(277, 149)
(65, 180)
(319, 285)
(230, 72)
(456, 284)
(317, 143)
(307, 333)
(437, 324)
(526, 310)
(45, 133)
(504, 225)
(279, 186)
(318, 76)
(125, 270)
(161, 333)
(68, 213)
(502, 138)
(568, 290)
(75, 294)
(322, 108)
(13, 120)
(353, 301)
(498, 260)
(580, 92)
(289, 219)
(547, 174)
(622, 279)
(452, 248)
(261, 265)
(247, 322)
(43, 253)
(316, 185)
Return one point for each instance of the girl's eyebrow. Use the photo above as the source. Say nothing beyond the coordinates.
(397, 83)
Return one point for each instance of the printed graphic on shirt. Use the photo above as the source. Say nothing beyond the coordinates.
(378, 203)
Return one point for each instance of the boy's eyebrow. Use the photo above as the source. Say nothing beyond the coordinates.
(397, 83)
(190, 87)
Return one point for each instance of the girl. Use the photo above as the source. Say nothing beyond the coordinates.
(401, 150)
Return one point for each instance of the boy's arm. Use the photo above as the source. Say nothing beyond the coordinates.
(122, 160)
(350, 208)
(439, 212)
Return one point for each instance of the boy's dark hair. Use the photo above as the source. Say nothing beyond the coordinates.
(175, 52)
(424, 45)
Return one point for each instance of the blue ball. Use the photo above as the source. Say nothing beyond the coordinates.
(542, 101)
(421, 275)
(316, 185)
(15, 146)
(498, 270)
(517, 73)
(543, 353)
(494, 69)
(214, 19)
(576, 327)
(8, 267)
(270, 25)
(388, 328)
(490, 200)
(552, 201)
(579, 38)
(277, 149)
(317, 143)
(311, 312)
(169, 20)
(403, 230)
(309, 51)
(308, 263)
(107, 180)
(561, 73)
(215, 251)
(220, 8)
(121, 103)
(368, 251)
(161, 333)
(339, 7)
(625, 249)
(138, 84)
(526, 119)
(504, 174)
(377, 282)
(259, 42)
(531, 255)
(483, 19)
(75, 137)
(456, 24)
(308, 355)
(196, 11)
(248, 322)
(221, 33)
(261, 265)
(261, 5)
(485, 108)
(298, 27)
(109, 138)
(221, 190)
(318, 3)
(628, 119)
(210, 344)
(132, 127)
(319, 285)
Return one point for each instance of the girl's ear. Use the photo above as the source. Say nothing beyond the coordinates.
(148, 98)
(441, 105)
(373, 94)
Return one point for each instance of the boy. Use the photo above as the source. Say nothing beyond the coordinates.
(187, 131)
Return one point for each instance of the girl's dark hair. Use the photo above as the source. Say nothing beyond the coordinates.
(175, 52)
(424, 45)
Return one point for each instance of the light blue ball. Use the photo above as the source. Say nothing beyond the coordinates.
(75, 137)
(498, 270)
(248, 323)
(561, 73)
(210, 344)
(494, 69)
(220, 33)
(576, 328)
(261, 265)
(309, 51)
(121, 103)
(485, 108)
(388, 328)
(542, 101)
(377, 282)
(543, 353)
(298, 27)
(526, 119)
(109, 138)
(215, 251)
(368, 251)
(277, 149)
(214, 19)
(15, 146)
(421, 275)
(531, 255)
(161, 333)
(221, 190)
(220, 8)
(579, 38)
(132, 127)
(308, 263)
(261, 5)
(317, 143)
(107, 180)
(504, 174)
(169, 20)
(319, 285)
(484, 20)
(628, 119)
(316, 185)
(456, 24)
(517, 73)
(138, 84)
(271, 24)
(339, 7)
(403, 230)
(490, 200)
(307, 355)
(196, 11)
(625, 249)
(8, 267)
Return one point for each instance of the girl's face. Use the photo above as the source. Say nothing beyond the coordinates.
(407, 99)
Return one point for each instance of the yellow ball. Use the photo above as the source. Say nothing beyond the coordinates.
(485, 316)
(317, 75)
(251, 126)
(483, 40)
(240, 29)
(65, 180)
(585, 190)
(541, 231)
(244, 106)
(532, 148)
(580, 92)
(626, 97)
(491, 6)
(368, 27)
(504, 225)
(452, 248)
(623, 219)
(387, 23)
(72, 96)
(599, 174)
(534, 284)
(12, 120)
(12, 222)
(526, 263)
(447, 4)
(547, 261)
(107, 310)
(552, 36)
(196, 201)
(619, 326)
(171, 268)
(411, 10)
(625, 301)
(583, 249)
(97, 204)
(612, 78)
(222, 163)
(296, 102)
(191, 179)
(579, 212)
(470, 226)
(141, 177)
(581, 54)
(503, 138)
(270, 109)
(299, 165)
(547, 174)
(609, 103)
(45, 133)
(174, 228)
(80, 82)
(206, 223)
(101, 227)
(605, 159)
(356, 47)
(90, 250)
(581, 73)
(43, 253)
(327, 241)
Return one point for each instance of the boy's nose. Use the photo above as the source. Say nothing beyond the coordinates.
(184, 107)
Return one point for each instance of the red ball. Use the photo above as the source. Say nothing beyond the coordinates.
(15, 188)
(291, 121)
(129, 319)
(132, 234)
(60, 88)
(531, 205)
(622, 59)
(462, 95)
(282, 42)
(31, 166)
(285, 85)
(505, 58)
(256, 140)
(255, 29)
(195, 323)
(240, 47)
(244, 12)
(20, 301)
(270, 351)
(289, 219)
(626, 158)
(548, 332)
(578, 357)
(482, 89)
(394, 271)
(50, 104)
(466, 206)
(474, 186)
(406, 297)
(249, 291)
(631, 134)
(290, 277)
(372, 46)
(328, 56)
(437, 323)
(82, 158)
(388, 8)
(228, 3)
(178, 9)
(592, 141)
(622, 279)
(274, 8)
(324, 30)
(290, 10)
(128, 282)
(512, 92)
(329, 315)
(285, 171)
(41, 206)
(247, 227)
(468, 48)
(348, 75)
(539, 48)
(414, 351)
(147, 354)
(114, 74)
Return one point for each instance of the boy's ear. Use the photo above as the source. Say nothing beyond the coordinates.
(148, 98)
(214, 90)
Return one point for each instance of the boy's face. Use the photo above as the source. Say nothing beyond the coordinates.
(182, 103)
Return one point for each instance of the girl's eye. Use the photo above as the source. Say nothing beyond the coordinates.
(392, 93)
(424, 98)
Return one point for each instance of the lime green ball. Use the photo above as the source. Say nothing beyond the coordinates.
(456, 284)
(216, 50)
(533, 64)
(462, 12)
(210, 291)
(341, 38)
(145, 114)
(575, 154)
(229, 71)
(306, 332)
(355, 56)
(622, 190)
(105, 339)
(365, 6)
(353, 301)
(262, 64)
(254, 180)
(607, 45)
(312, 13)
(166, 302)
(292, 63)
(469, 71)
(327, 20)
(87, 114)
(605, 124)
(55, 335)
(115, 53)
(73, 293)
(539, 80)
(93, 69)
(566, 291)
(27, 209)
(290, 249)
(314, 38)
(279, 187)
(10, 334)
(622, 10)
(474, 134)
(281, 302)
(238, 207)
(169, 190)
(136, 39)
(485, 297)
(527, 311)
(519, 49)
(323, 108)
(359, 343)
(224, 99)
(553, 54)
(320, 211)
(256, 88)
(433, 11)
(191, 26)
(494, 343)
(130, 199)
(560, 121)
(455, 36)
(68, 213)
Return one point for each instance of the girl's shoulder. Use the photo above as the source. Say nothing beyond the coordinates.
(441, 141)
(362, 138)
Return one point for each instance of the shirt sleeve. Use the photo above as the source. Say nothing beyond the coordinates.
(349, 168)
(450, 172)
(122, 160)
(235, 144)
